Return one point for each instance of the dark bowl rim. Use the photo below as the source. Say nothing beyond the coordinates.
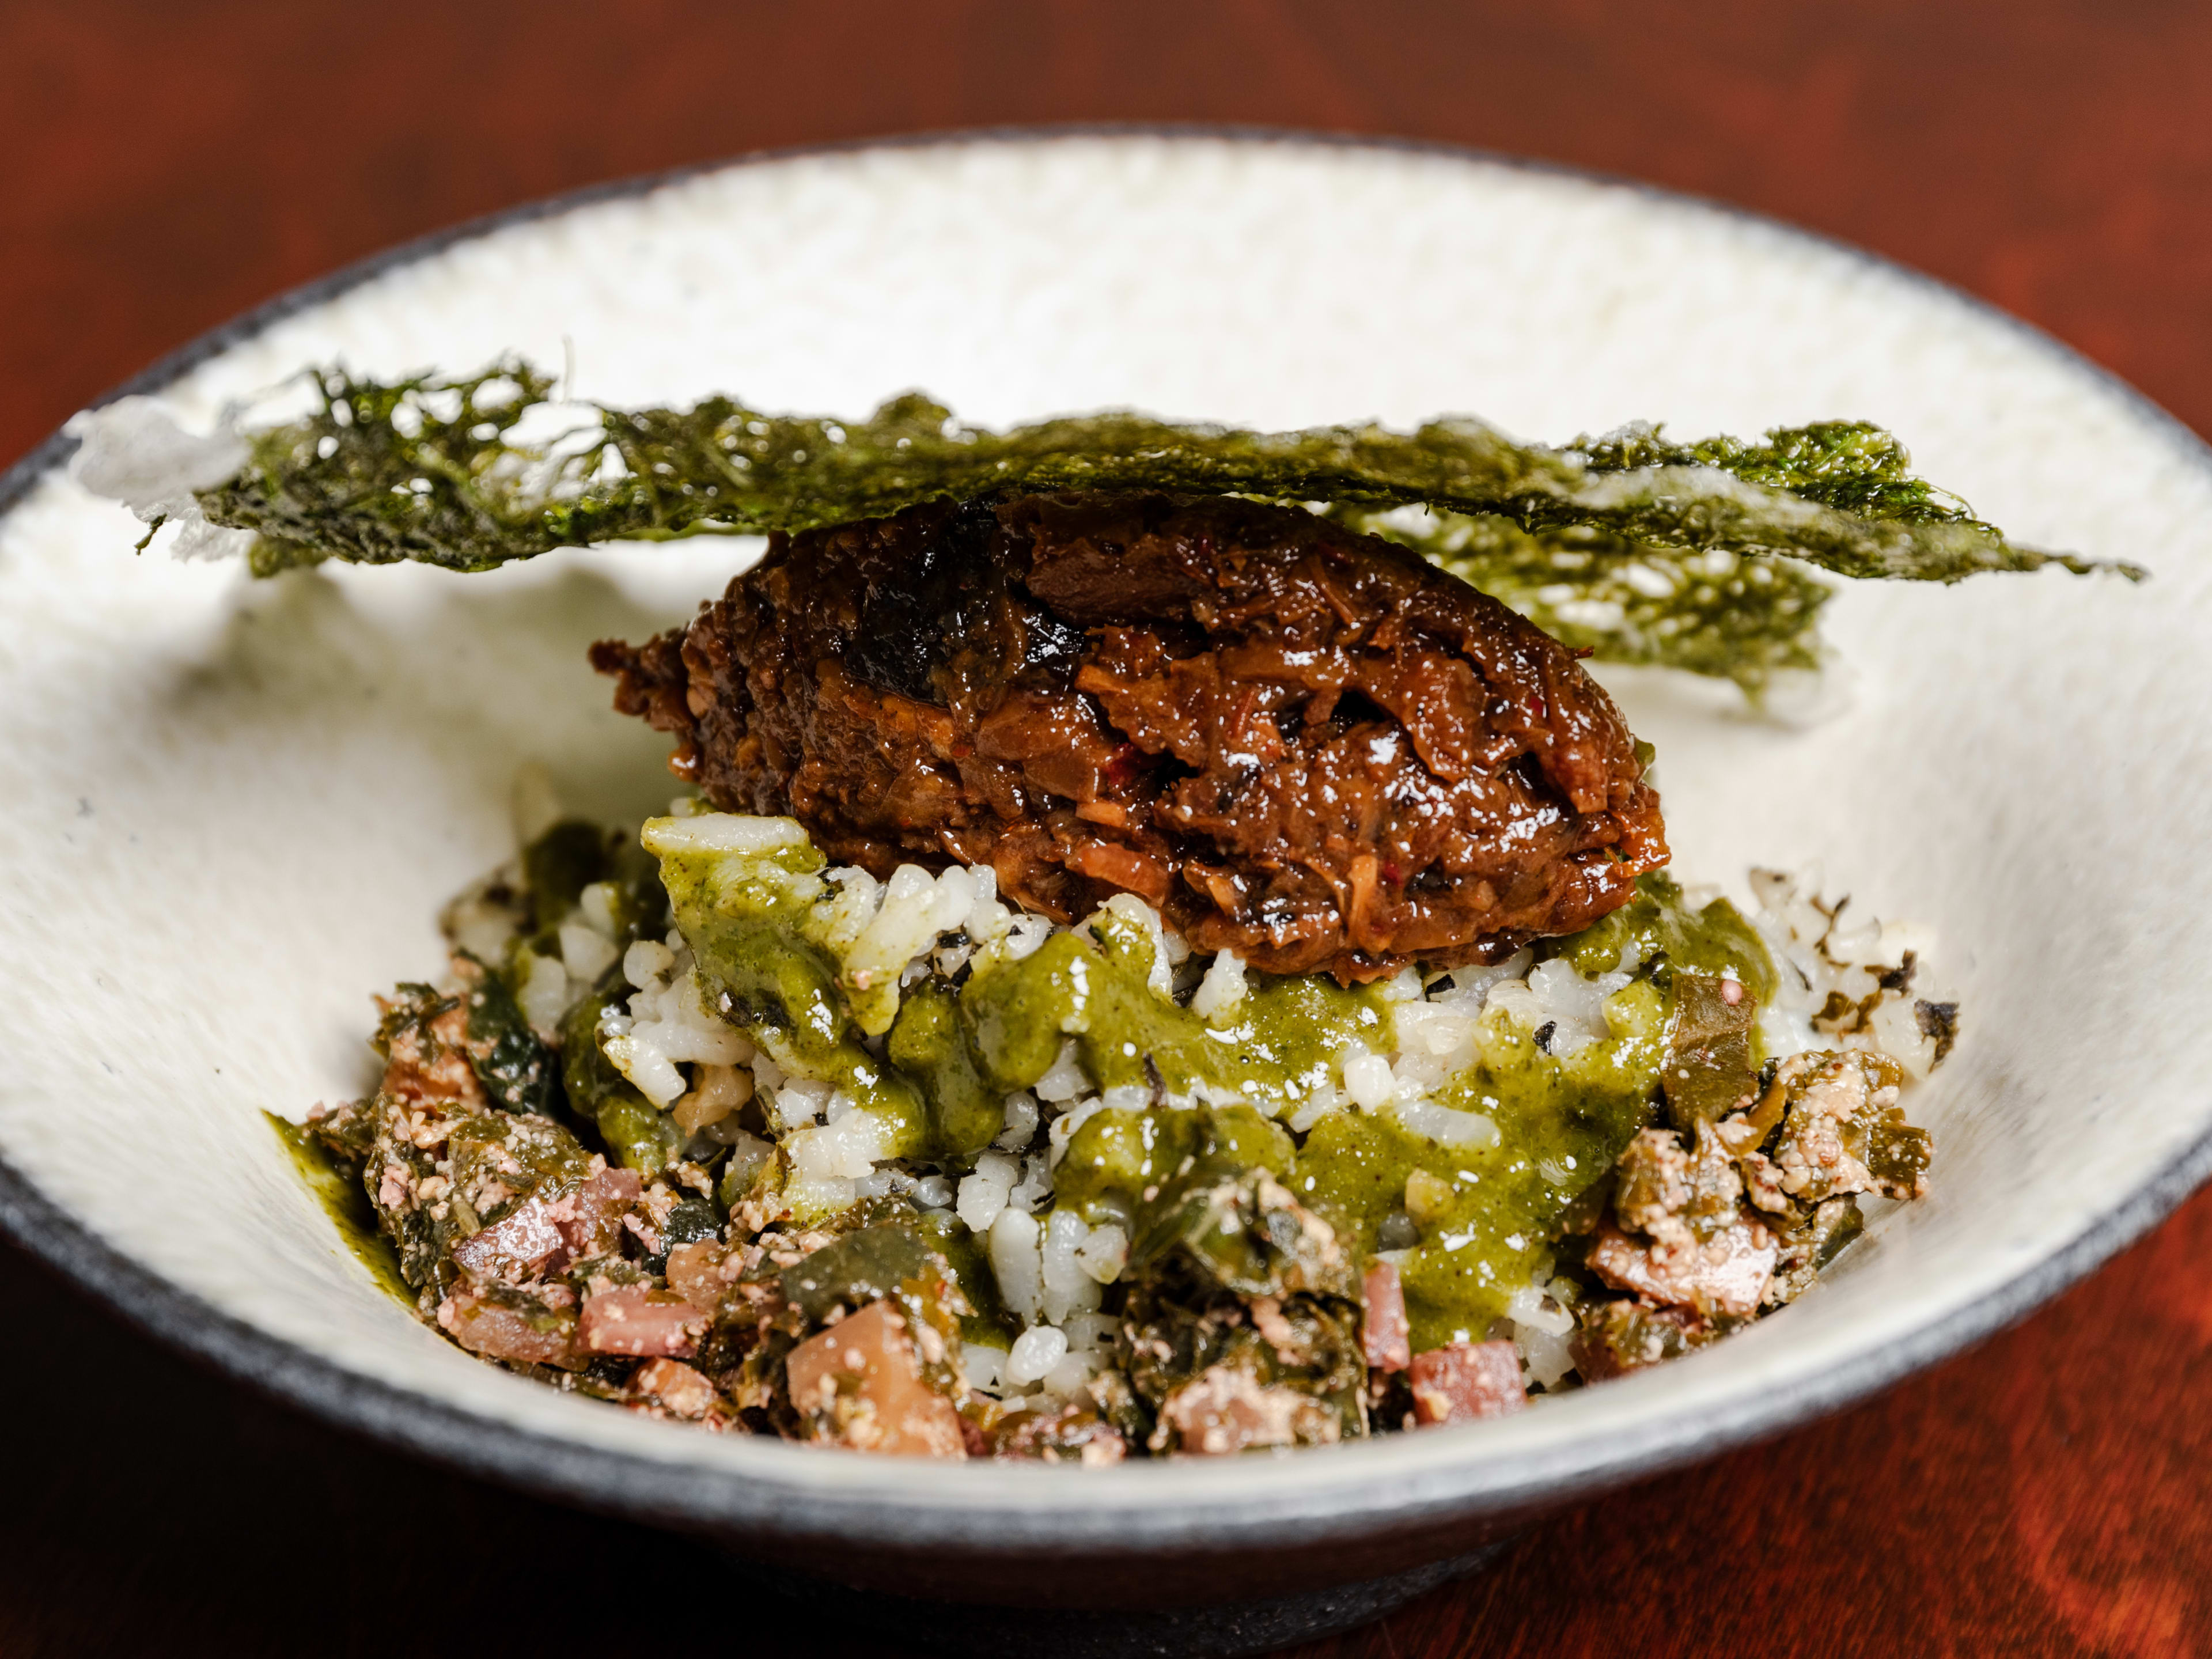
(717, 1499)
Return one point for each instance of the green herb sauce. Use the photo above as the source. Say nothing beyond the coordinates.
(1486, 1214)
(764, 926)
(1482, 1211)
(1658, 930)
(1285, 1038)
(347, 1205)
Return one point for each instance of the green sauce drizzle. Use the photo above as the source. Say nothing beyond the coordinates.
(347, 1205)
(1469, 1212)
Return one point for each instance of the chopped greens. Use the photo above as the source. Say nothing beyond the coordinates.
(440, 470)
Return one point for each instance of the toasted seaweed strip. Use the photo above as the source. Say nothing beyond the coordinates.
(434, 469)
(1716, 613)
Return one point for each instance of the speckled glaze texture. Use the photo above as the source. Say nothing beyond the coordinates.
(228, 810)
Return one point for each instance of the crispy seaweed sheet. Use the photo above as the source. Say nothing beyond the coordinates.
(1729, 615)
(1641, 548)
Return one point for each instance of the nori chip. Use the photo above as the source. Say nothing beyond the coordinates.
(429, 468)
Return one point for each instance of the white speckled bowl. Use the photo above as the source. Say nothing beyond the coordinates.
(228, 810)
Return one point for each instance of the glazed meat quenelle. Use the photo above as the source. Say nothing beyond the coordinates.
(1300, 743)
(1163, 949)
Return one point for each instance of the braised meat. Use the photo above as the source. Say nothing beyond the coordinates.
(1305, 745)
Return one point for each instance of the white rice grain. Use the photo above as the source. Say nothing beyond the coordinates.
(1034, 1354)
(1104, 1253)
(846, 1149)
(1073, 1371)
(1367, 1078)
(596, 904)
(721, 832)
(1068, 1287)
(983, 1194)
(984, 1367)
(1066, 1079)
(647, 962)
(1035, 1184)
(1091, 1333)
(916, 908)
(1222, 990)
(1024, 935)
(1131, 908)
(542, 994)
(1017, 1266)
(645, 1066)
(1021, 1122)
(585, 952)
(1445, 1126)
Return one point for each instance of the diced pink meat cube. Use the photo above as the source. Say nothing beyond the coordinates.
(526, 1332)
(861, 1385)
(1383, 1331)
(519, 1246)
(638, 1320)
(590, 1218)
(673, 1386)
(1726, 1274)
(695, 1272)
(1463, 1381)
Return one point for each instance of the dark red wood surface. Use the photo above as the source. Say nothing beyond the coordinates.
(163, 166)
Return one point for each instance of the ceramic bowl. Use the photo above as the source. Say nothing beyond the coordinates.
(230, 809)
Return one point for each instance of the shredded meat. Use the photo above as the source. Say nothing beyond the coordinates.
(1305, 745)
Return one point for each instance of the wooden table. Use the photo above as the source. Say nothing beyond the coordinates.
(163, 166)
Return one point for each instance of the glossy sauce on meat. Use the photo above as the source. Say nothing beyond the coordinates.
(1305, 745)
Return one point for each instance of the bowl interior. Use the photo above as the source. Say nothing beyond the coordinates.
(230, 809)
